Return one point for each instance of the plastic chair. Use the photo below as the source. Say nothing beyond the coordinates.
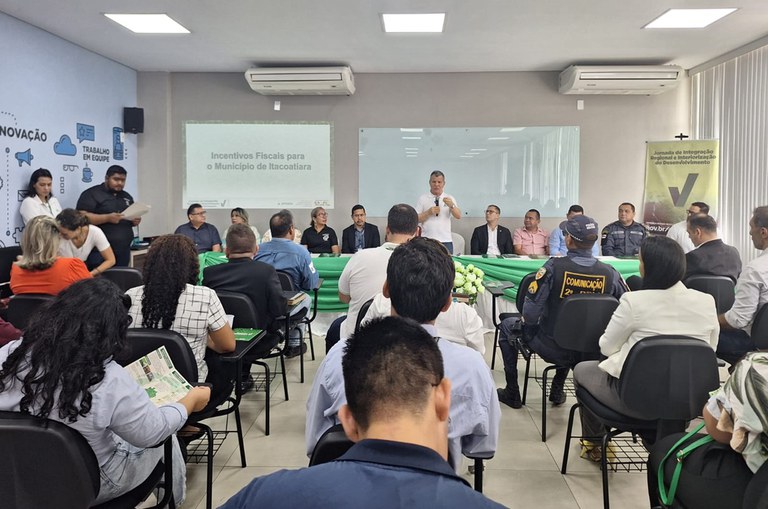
(582, 320)
(22, 307)
(124, 277)
(45, 463)
(459, 244)
(722, 288)
(522, 289)
(287, 283)
(666, 378)
(239, 305)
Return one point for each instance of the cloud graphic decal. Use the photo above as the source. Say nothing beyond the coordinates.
(64, 147)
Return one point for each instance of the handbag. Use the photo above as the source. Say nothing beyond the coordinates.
(668, 496)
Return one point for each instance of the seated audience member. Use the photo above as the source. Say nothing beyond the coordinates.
(716, 474)
(284, 255)
(364, 275)
(531, 240)
(420, 277)
(80, 238)
(663, 306)
(8, 332)
(711, 255)
(319, 237)
(542, 306)
(39, 200)
(239, 215)
(623, 237)
(491, 238)
(751, 295)
(557, 245)
(398, 404)
(679, 231)
(170, 300)
(40, 269)
(459, 324)
(359, 235)
(243, 274)
(63, 370)
(203, 235)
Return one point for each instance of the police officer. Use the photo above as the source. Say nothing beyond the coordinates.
(623, 237)
(578, 272)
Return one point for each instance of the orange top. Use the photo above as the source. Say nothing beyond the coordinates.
(51, 281)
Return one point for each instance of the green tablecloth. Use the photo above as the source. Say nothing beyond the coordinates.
(496, 269)
(514, 269)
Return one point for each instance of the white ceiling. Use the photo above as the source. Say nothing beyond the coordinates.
(480, 35)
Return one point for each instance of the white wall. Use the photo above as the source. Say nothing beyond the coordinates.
(614, 130)
(49, 86)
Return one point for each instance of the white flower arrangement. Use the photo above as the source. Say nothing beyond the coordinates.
(468, 282)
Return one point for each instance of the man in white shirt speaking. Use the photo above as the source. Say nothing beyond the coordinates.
(435, 210)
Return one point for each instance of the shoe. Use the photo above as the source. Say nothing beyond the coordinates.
(511, 398)
(294, 351)
(471, 468)
(557, 396)
(247, 384)
(594, 452)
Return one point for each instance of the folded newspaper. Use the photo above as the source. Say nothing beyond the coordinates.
(157, 375)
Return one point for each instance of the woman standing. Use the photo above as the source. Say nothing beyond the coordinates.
(319, 237)
(80, 238)
(39, 201)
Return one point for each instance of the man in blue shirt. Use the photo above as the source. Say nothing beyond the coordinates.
(285, 255)
(204, 235)
(557, 245)
(420, 276)
(398, 404)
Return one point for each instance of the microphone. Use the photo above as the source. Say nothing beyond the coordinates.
(437, 204)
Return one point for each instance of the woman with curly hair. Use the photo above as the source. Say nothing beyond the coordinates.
(170, 299)
(63, 370)
(41, 269)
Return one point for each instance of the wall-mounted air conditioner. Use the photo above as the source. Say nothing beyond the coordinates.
(301, 80)
(621, 79)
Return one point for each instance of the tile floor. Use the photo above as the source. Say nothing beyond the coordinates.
(525, 472)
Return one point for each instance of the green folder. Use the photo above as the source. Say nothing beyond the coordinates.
(246, 334)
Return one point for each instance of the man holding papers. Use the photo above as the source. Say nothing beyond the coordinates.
(104, 205)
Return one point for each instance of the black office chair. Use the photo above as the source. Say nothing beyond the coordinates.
(721, 288)
(45, 463)
(759, 332)
(519, 300)
(333, 444)
(666, 378)
(287, 283)
(361, 314)
(22, 307)
(8, 255)
(124, 277)
(142, 341)
(242, 308)
(582, 320)
(756, 494)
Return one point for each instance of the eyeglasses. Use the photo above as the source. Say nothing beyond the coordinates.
(691, 212)
(201, 213)
(491, 211)
(324, 214)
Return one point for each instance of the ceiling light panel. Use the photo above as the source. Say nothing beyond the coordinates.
(688, 18)
(148, 23)
(413, 23)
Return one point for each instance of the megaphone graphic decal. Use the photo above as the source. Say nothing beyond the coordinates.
(25, 157)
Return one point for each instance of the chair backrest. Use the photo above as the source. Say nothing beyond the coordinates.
(361, 314)
(669, 377)
(459, 244)
(332, 445)
(721, 288)
(45, 463)
(582, 320)
(285, 280)
(759, 332)
(142, 341)
(522, 290)
(241, 306)
(124, 277)
(22, 307)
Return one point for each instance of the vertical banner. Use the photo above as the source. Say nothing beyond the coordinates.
(676, 174)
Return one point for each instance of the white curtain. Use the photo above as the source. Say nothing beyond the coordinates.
(730, 102)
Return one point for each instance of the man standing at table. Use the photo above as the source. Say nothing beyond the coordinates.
(204, 235)
(557, 245)
(531, 240)
(360, 235)
(623, 237)
(103, 204)
(491, 238)
(435, 210)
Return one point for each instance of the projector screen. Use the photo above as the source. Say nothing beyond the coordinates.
(257, 165)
